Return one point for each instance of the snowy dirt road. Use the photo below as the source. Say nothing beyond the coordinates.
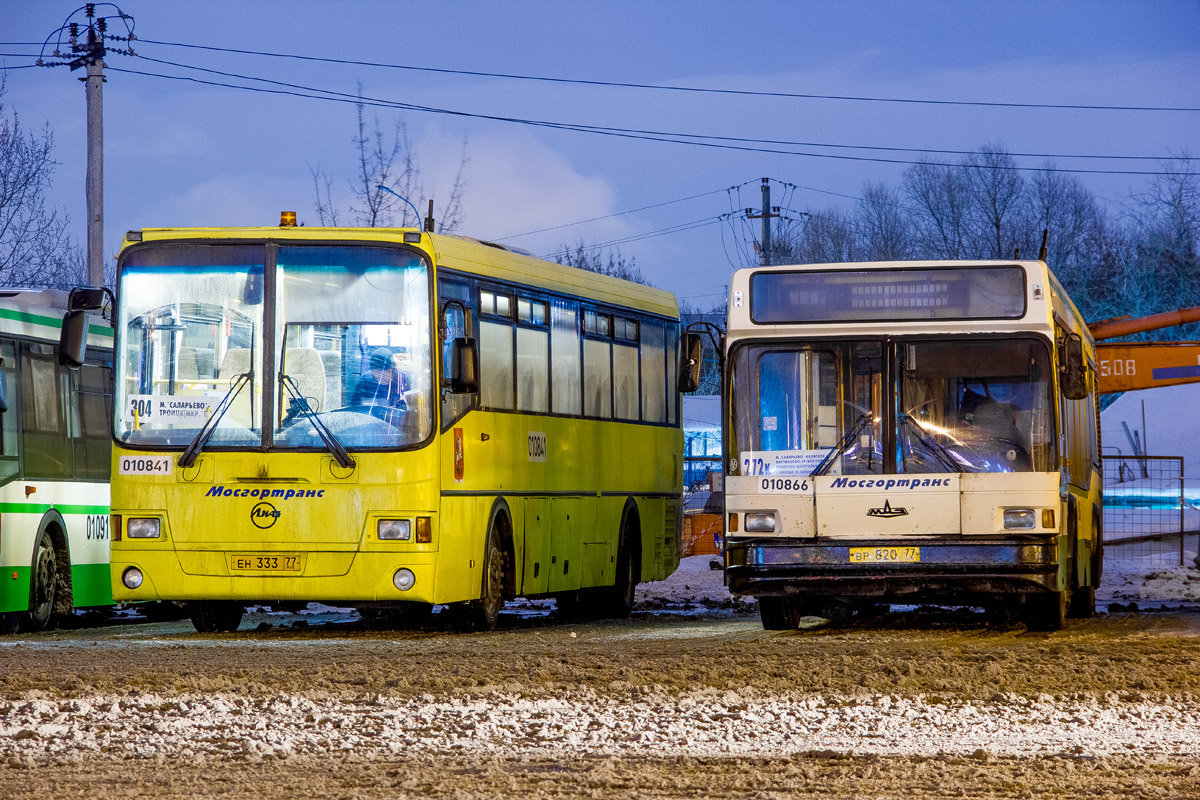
(677, 702)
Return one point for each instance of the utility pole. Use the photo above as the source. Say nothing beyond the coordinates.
(91, 55)
(768, 212)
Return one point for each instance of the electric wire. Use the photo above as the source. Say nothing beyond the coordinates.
(676, 88)
(669, 138)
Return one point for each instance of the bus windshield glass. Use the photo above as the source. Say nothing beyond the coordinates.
(352, 336)
(339, 338)
(955, 405)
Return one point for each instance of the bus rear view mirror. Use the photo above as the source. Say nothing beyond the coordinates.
(72, 341)
(1074, 371)
(689, 370)
(464, 366)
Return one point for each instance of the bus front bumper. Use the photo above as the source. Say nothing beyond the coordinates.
(945, 569)
(365, 577)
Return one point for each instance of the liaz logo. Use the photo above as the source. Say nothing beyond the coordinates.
(264, 515)
(887, 511)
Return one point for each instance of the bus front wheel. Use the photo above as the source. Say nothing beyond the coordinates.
(484, 613)
(1045, 611)
(45, 584)
(216, 616)
(779, 613)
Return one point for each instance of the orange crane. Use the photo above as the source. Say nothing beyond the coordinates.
(1124, 367)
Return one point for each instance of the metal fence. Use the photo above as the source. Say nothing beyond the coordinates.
(1144, 509)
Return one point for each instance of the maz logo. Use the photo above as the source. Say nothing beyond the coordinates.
(264, 515)
(887, 511)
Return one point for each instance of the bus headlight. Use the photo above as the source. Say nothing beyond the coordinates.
(759, 522)
(142, 528)
(1019, 518)
(404, 579)
(395, 529)
(132, 578)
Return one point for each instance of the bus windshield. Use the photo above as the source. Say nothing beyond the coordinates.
(954, 405)
(339, 337)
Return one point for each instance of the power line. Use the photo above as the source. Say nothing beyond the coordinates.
(675, 88)
(637, 237)
(610, 216)
(694, 140)
(652, 133)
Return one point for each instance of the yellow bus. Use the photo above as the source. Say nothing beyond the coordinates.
(904, 432)
(54, 464)
(388, 419)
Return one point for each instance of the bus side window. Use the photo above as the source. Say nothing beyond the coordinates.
(10, 419)
(92, 438)
(597, 365)
(654, 373)
(455, 297)
(566, 374)
(47, 453)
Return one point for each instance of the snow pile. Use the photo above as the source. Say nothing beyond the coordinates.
(1142, 580)
(644, 722)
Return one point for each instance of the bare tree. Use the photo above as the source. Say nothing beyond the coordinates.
(35, 246)
(996, 193)
(940, 203)
(386, 190)
(885, 229)
(616, 265)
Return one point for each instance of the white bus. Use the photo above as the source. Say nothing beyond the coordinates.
(908, 432)
(55, 448)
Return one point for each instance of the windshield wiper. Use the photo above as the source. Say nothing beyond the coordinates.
(939, 450)
(206, 430)
(331, 442)
(843, 443)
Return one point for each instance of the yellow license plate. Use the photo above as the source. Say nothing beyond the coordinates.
(265, 562)
(884, 555)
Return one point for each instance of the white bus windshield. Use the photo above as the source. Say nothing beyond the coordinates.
(954, 405)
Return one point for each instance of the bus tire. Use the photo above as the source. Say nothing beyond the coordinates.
(484, 613)
(1045, 611)
(779, 613)
(1083, 603)
(215, 616)
(10, 623)
(43, 584)
(619, 598)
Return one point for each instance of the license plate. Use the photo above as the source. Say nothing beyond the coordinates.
(884, 555)
(265, 562)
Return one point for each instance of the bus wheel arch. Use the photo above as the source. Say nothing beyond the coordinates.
(497, 579)
(50, 590)
(628, 569)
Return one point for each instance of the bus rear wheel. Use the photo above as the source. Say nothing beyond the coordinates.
(45, 585)
(1045, 611)
(216, 616)
(619, 599)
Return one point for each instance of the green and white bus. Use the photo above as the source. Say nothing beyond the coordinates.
(55, 449)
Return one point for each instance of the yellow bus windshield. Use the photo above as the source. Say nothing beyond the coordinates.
(217, 337)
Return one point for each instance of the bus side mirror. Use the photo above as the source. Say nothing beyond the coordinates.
(1074, 372)
(72, 341)
(464, 366)
(689, 370)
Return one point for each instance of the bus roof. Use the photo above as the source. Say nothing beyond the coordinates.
(474, 256)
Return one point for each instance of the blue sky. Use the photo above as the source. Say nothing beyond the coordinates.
(181, 153)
